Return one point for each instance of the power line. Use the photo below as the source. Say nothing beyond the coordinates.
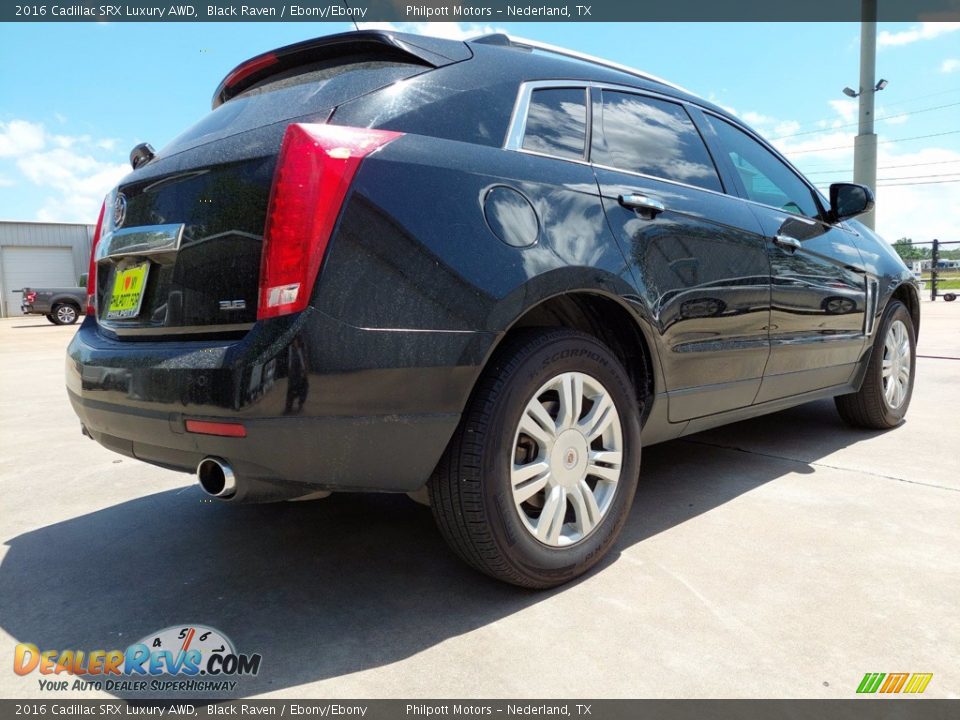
(926, 182)
(893, 104)
(879, 119)
(922, 97)
(920, 177)
(886, 167)
(908, 177)
(881, 142)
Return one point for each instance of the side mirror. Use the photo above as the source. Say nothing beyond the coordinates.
(848, 200)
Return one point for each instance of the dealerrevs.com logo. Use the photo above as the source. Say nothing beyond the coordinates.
(186, 657)
(892, 683)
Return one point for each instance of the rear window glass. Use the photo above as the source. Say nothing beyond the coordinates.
(312, 89)
(653, 137)
(557, 122)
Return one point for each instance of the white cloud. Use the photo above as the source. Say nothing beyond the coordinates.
(892, 117)
(448, 30)
(72, 173)
(19, 137)
(950, 65)
(846, 109)
(77, 180)
(755, 118)
(921, 212)
(923, 31)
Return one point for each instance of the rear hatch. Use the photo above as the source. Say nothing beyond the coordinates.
(180, 248)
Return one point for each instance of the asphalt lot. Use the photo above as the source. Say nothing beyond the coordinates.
(779, 557)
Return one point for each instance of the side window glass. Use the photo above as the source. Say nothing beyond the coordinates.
(557, 122)
(766, 179)
(653, 137)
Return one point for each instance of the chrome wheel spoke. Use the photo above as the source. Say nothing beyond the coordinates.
(538, 424)
(887, 367)
(606, 469)
(889, 392)
(585, 507)
(550, 522)
(599, 418)
(528, 480)
(571, 400)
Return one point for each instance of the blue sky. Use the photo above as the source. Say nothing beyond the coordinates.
(74, 98)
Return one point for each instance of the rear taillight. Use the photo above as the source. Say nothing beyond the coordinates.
(317, 163)
(29, 296)
(92, 270)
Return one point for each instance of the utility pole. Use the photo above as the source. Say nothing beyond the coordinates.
(865, 144)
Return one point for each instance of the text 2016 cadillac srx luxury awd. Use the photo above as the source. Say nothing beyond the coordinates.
(486, 271)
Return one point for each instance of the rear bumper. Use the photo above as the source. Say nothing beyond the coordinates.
(285, 457)
(325, 405)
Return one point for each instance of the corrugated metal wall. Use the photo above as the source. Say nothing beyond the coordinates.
(35, 234)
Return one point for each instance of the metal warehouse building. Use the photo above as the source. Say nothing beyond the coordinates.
(36, 254)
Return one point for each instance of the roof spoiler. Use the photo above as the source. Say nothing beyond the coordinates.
(432, 52)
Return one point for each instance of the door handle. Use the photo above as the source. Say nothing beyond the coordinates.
(643, 203)
(790, 244)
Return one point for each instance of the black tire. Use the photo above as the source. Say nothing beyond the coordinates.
(470, 492)
(64, 314)
(868, 408)
(50, 318)
(949, 297)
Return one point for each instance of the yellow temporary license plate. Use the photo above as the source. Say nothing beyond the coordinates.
(127, 295)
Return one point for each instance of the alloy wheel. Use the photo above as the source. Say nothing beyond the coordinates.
(66, 314)
(896, 365)
(567, 459)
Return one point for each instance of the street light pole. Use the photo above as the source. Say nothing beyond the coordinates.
(865, 144)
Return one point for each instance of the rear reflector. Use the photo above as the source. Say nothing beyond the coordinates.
(92, 269)
(202, 427)
(317, 163)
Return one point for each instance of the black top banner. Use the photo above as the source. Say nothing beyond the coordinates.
(489, 11)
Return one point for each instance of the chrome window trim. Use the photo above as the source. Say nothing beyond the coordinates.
(518, 119)
(518, 122)
(521, 106)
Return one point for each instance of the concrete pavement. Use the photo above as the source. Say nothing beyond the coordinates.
(779, 557)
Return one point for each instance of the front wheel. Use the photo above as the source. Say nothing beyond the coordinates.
(884, 397)
(539, 477)
(65, 314)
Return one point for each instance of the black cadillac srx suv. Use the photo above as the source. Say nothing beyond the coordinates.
(481, 271)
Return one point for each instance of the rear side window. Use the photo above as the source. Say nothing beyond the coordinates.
(557, 122)
(653, 137)
(766, 179)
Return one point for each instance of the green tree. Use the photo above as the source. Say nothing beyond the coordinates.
(906, 250)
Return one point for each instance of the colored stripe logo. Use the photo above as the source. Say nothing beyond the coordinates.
(912, 683)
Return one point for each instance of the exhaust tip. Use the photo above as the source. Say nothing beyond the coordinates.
(216, 477)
